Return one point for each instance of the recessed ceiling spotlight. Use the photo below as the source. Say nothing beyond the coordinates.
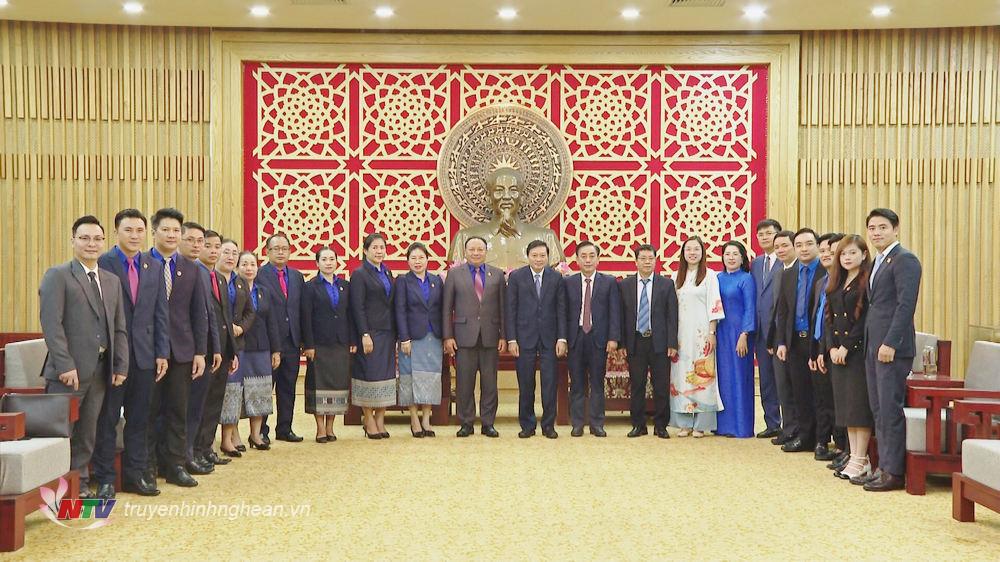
(129, 7)
(630, 13)
(754, 12)
(260, 11)
(881, 11)
(384, 12)
(3, 3)
(507, 13)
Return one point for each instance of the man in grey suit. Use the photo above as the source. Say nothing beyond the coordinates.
(473, 332)
(765, 269)
(83, 322)
(889, 345)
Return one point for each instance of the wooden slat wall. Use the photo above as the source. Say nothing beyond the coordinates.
(908, 119)
(94, 119)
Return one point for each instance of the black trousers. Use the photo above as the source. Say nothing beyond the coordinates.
(826, 411)
(525, 366)
(168, 434)
(135, 396)
(283, 381)
(800, 377)
(587, 364)
(211, 411)
(641, 361)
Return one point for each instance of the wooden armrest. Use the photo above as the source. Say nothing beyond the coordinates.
(979, 415)
(923, 395)
(11, 426)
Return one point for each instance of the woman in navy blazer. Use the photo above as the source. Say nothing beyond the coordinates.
(418, 321)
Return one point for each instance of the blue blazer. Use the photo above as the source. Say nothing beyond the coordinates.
(263, 333)
(765, 294)
(892, 302)
(531, 321)
(605, 309)
(414, 315)
(321, 323)
(290, 322)
(371, 308)
(148, 320)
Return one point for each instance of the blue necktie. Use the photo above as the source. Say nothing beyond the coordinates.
(820, 311)
(538, 285)
(878, 264)
(643, 324)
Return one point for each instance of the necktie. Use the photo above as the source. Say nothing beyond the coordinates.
(133, 280)
(878, 263)
(538, 285)
(821, 311)
(767, 268)
(282, 282)
(587, 320)
(215, 285)
(94, 286)
(643, 324)
(168, 277)
(478, 282)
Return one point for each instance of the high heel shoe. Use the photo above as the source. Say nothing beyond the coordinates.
(241, 448)
(384, 434)
(259, 446)
(372, 435)
(234, 453)
(427, 432)
(417, 434)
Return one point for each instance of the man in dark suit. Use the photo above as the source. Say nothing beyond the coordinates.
(473, 331)
(890, 344)
(784, 250)
(188, 346)
(593, 324)
(83, 323)
(764, 268)
(649, 306)
(536, 331)
(793, 313)
(145, 299)
(818, 362)
(285, 283)
(202, 435)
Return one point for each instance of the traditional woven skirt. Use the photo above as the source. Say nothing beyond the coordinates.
(232, 401)
(256, 367)
(328, 379)
(373, 380)
(420, 372)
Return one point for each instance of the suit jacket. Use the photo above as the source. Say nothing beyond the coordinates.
(892, 302)
(220, 316)
(188, 312)
(371, 308)
(290, 321)
(841, 327)
(264, 332)
(765, 293)
(817, 347)
(467, 319)
(70, 319)
(784, 309)
(776, 289)
(148, 320)
(662, 314)
(414, 315)
(215, 337)
(321, 323)
(243, 312)
(605, 309)
(531, 321)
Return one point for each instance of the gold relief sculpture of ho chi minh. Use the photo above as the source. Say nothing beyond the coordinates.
(505, 172)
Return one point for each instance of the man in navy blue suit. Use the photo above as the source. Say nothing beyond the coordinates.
(146, 320)
(536, 331)
(593, 326)
(765, 268)
(286, 284)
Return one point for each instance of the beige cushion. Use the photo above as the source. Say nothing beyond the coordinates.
(29, 463)
(983, 372)
(916, 429)
(23, 361)
(981, 461)
(922, 341)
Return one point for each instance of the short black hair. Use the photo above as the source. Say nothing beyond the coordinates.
(805, 230)
(166, 213)
(415, 247)
(837, 237)
(829, 238)
(372, 238)
(321, 249)
(768, 223)
(267, 243)
(585, 244)
(212, 234)
(130, 214)
(785, 234)
(86, 219)
(192, 226)
(536, 244)
(471, 238)
(644, 248)
(231, 241)
(887, 214)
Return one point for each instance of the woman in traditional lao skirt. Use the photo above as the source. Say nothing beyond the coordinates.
(238, 292)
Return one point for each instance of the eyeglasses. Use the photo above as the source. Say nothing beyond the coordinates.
(229, 253)
(89, 239)
(195, 241)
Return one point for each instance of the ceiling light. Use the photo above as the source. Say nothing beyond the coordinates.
(507, 13)
(3, 3)
(881, 11)
(630, 13)
(130, 7)
(260, 11)
(754, 12)
(384, 12)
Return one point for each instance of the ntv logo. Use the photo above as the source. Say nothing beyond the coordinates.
(58, 508)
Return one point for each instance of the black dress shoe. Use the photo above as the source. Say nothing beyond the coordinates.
(769, 433)
(180, 477)
(885, 483)
(598, 432)
(840, 462)
(262, 446)
(490, 431)
(864, 479)
(823, 453)
(782, 438)
(330, 438)
(465, 431)
(321, 439)
(661, 432)
(216, 459)
(577, 432)
(106, 491)
(797, 445)
(142, 486)
(372, 435)
(550, 433)
(235, 453)
(290, 437)
(526, 433)
(638, 431)
(194, 467)
(417, 434)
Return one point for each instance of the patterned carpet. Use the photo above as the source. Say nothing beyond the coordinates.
(509, 498)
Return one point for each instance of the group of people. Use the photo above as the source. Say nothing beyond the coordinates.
(195, 333)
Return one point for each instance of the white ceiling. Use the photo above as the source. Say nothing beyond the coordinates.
(533, 15)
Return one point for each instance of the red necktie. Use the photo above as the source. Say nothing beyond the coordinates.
(478, 278)
(133, 280)
(282, 282)
(588, 322)
(215, 285)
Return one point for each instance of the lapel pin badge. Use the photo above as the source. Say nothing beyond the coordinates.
(888, 260)
(145, 266)
(179, 273)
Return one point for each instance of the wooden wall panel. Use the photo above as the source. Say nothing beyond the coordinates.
(94, 119)
(909, 119)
